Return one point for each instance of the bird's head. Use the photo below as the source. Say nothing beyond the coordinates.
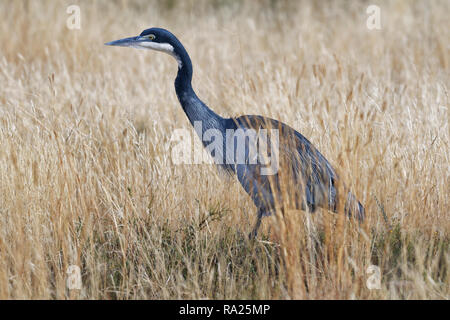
(155, 39)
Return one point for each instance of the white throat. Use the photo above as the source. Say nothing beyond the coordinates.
(163, 47)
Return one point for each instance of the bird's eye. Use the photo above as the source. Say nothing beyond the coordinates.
(151, 37)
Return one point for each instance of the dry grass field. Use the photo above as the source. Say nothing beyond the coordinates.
(87, 177)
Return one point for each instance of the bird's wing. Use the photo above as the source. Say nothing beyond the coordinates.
(300, 164)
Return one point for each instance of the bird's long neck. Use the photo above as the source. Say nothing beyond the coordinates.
(194, 108)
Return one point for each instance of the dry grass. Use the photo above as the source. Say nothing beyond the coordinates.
(86, 176)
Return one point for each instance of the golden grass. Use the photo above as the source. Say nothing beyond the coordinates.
(86, 176)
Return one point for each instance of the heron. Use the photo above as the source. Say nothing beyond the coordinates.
(303, 179)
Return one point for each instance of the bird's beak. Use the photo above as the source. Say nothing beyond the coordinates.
(127, 42)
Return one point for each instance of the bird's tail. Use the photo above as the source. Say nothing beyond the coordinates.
(354, 208)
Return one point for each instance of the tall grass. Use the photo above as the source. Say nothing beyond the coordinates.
(87, 178)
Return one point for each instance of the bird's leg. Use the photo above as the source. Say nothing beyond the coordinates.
(261, 213)
(254, 232)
